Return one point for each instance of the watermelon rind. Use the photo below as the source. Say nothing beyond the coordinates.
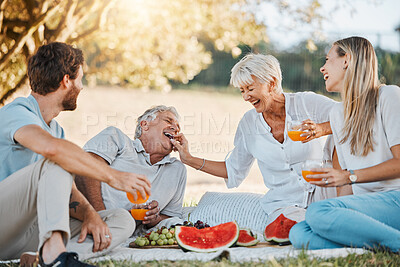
(277, 240)
(201, 234)
(249, 243)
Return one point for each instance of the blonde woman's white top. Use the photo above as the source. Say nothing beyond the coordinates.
(279, 163)
(386, 134)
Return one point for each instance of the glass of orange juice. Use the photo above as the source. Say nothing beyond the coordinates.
(311, 164)
(138, 211)
(140, 206)
(294, 131)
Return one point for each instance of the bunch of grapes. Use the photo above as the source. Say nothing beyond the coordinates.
(160, 237)
(199, 224)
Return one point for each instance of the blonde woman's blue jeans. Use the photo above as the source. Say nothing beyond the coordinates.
(364, 221)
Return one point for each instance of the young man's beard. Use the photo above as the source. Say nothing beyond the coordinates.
(69, 102)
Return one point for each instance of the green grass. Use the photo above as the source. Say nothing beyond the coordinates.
(367, 259)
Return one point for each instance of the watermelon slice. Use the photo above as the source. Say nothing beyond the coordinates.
(246, 238)
(278, 230)
(207, 239)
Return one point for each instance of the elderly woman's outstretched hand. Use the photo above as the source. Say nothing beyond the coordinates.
(180, 144)
(314, 130)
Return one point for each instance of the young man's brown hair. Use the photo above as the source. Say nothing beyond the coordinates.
(51, 62)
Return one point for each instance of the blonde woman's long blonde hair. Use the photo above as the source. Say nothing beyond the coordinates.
(360, 94)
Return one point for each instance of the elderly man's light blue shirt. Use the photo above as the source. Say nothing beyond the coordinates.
(21, 112)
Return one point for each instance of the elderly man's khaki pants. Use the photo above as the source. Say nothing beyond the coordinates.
(34, 202)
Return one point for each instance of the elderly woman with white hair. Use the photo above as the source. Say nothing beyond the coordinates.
(262, 134)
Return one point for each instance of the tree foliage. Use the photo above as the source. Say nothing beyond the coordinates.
(164, 40)
(27, 24)
(300, 67)
(140, 43)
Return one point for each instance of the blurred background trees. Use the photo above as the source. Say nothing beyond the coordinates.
(27, 24)
(153, 44)
(148, 43)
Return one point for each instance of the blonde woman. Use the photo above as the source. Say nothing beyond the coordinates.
(262, 135)
(366, 130)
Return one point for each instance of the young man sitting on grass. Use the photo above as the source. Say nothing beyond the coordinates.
(38, 167)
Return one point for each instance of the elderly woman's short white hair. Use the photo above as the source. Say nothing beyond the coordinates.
(265, 67)
(151, 114)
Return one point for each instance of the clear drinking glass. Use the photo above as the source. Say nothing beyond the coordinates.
(294, 131)
(140, 206)
(311, 164)
(138, 211)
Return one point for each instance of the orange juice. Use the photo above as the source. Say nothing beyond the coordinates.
(139, 200)
(295, 135)
(139, 214)
(305, 173)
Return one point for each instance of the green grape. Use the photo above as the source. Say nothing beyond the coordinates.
(160, 242)
(155, 237)
(170, 241)
(168, 235)
(147, 242)
(162, 236)
(165, 241)
(172, 230)
(153, 243)
(164, 231)
(141, 242)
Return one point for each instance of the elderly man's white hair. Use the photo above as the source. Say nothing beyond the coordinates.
(151, 114)
(265, 67)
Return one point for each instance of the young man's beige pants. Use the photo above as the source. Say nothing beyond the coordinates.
(34, 202)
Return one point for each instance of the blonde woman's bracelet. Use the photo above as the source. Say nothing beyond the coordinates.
(204, 162)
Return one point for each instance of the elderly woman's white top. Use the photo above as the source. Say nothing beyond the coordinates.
(386, 133)
(280, 163)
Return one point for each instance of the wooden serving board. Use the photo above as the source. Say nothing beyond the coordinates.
(259, 245)
(133, 245)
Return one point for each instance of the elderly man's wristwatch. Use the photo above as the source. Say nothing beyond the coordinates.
(352, 177)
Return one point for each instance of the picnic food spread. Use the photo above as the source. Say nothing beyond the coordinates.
(200, 237)
(278, 230)
(165, 237)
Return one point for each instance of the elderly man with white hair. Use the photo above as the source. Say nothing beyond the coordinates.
(148, 154)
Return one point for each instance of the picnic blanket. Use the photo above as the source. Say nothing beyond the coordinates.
(234, 254)
(215, 208)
